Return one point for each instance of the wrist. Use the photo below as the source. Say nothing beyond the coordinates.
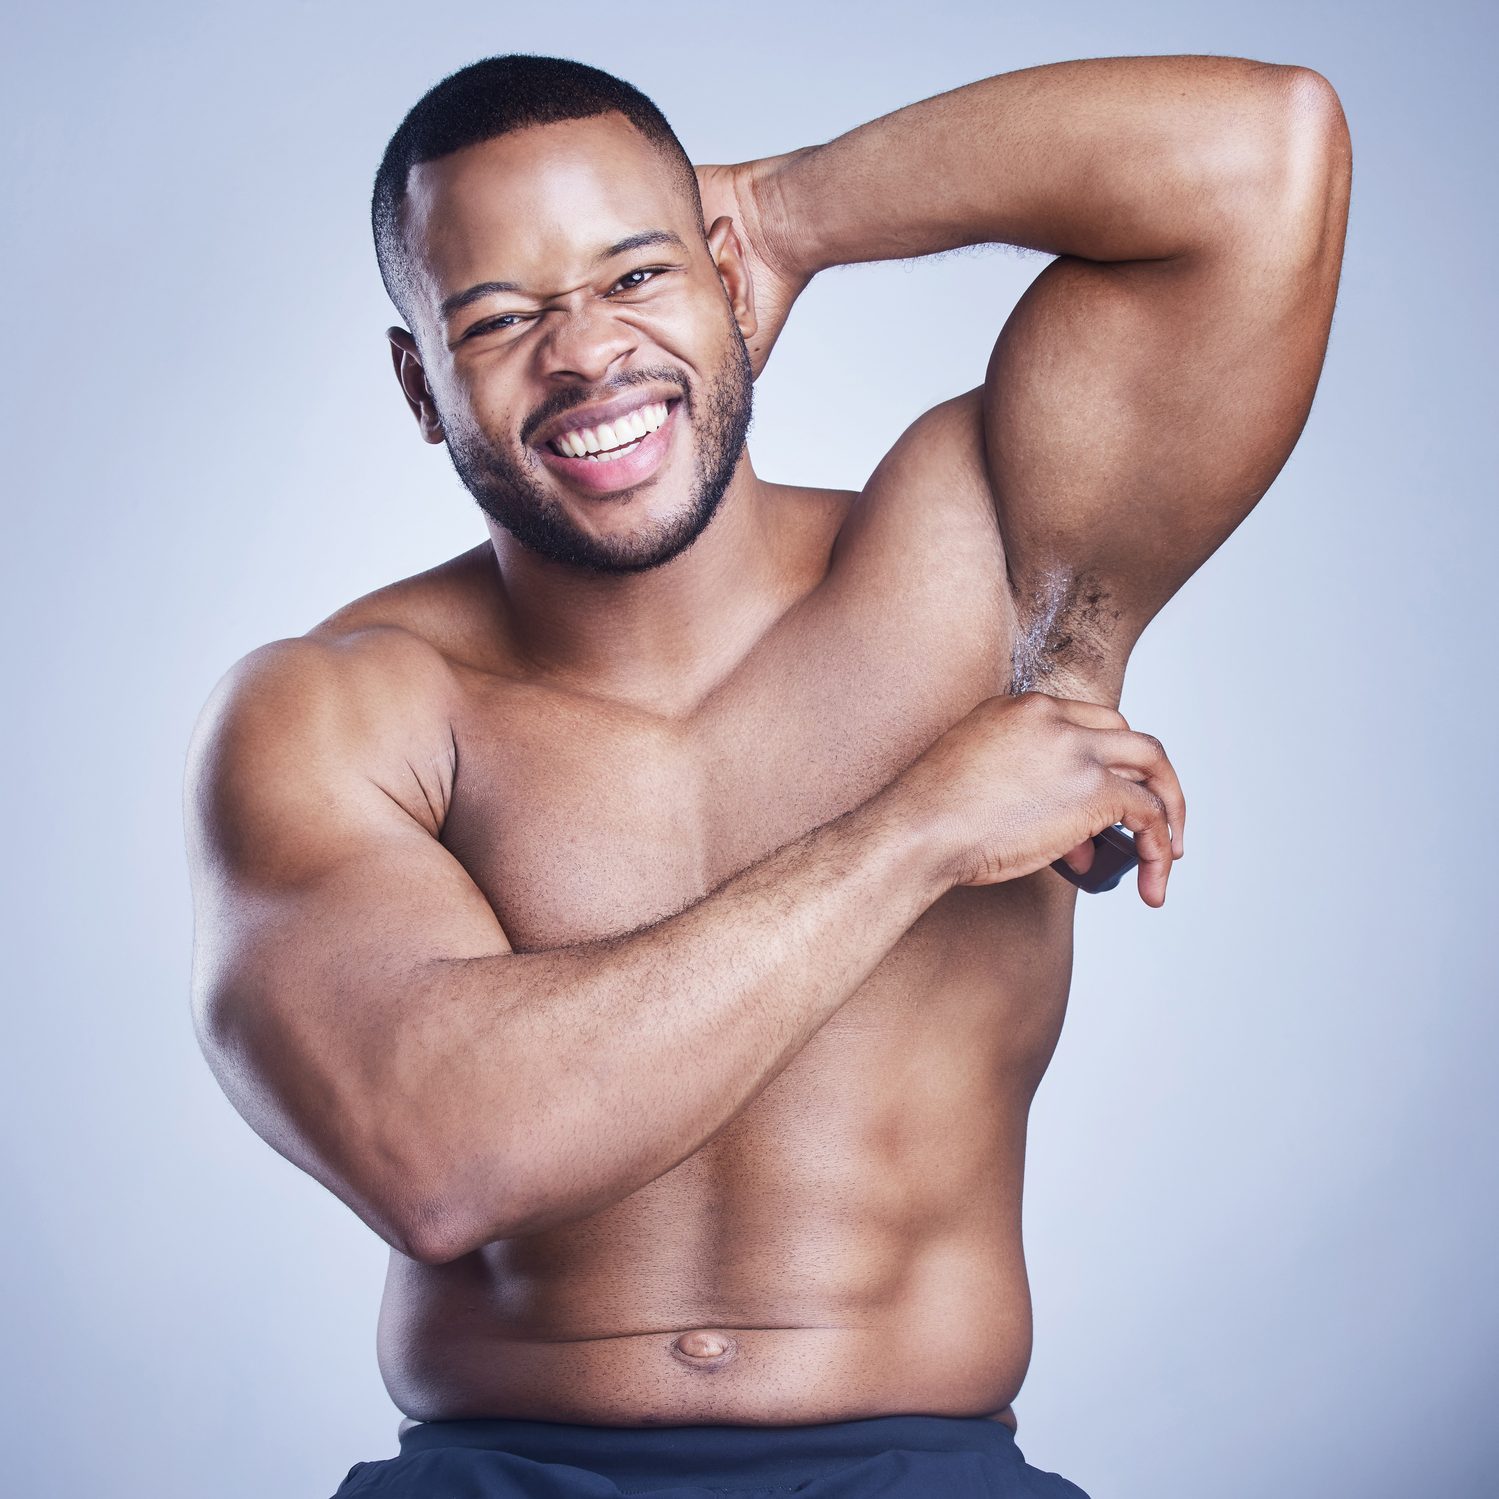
(787, 224)
(922, 833)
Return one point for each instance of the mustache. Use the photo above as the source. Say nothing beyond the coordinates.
(571, 400)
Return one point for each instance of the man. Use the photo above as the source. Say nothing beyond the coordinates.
(644, 920)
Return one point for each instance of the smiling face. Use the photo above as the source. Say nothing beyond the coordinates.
(563, 303)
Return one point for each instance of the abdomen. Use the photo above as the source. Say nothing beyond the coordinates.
(851, 1240)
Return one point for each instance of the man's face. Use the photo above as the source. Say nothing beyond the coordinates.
(579, 338)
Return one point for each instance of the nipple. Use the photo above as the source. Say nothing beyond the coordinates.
(701, 1347)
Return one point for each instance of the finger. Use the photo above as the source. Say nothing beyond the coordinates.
(1141, 757)
(1091, 715)
(1080, 859)
(1144, 814)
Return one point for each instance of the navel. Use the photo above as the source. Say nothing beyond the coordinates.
(703, 1347)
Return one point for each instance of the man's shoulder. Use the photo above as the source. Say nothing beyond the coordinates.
(435, 613)
(361, 694)
(394, 641)
(940, 451)
(379, 673)
(929, 488)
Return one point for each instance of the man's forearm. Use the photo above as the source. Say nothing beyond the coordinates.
(557, 1082)
(1108, 159)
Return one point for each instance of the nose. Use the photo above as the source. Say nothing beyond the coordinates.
(585, 342)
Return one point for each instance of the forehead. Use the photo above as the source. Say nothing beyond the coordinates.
(535, 206)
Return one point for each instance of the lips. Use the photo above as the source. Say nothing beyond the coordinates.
(607, 475)
(603, 411)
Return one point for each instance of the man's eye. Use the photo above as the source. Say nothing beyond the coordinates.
(506, 319)
(654, 270)
(491, 325)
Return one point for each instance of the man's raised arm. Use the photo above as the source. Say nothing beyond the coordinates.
(1152, 381)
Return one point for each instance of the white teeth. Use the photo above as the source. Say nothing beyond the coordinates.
(617, 453)
(639, 423)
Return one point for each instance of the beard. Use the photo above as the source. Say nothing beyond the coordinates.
(509, 495)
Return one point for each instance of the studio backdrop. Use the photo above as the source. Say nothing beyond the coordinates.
(1259, 1216)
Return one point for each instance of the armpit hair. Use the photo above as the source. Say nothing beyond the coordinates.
(1066, 620)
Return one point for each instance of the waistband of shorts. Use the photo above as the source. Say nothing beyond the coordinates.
(647, 1455)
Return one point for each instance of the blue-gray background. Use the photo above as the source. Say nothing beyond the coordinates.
(1260, 1213)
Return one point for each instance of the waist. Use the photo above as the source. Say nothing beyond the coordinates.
(642, 1458)
(950, 1335)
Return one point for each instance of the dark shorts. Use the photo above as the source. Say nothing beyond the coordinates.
(882, 1457)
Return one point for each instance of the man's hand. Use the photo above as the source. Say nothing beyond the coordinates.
(1022, 781)
(745, 192)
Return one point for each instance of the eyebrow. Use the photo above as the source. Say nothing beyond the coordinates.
(461, 299)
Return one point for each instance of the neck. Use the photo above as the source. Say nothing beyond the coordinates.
(663, 637)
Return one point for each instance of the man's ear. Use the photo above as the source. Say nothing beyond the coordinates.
(734, 271)
(413, 378)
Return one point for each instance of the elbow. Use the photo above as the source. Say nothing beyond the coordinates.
(467, 1223)
(1312, 102)
(412, 1223)
(442, 1243)
(445, 1214)
(1282, 183)
(1314, 150)
(1312, 173)
(1309, 152)
(430, 1251)
(431, 1231)
(437, 1228)
(430, 1241)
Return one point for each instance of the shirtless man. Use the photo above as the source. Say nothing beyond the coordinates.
(644, 921)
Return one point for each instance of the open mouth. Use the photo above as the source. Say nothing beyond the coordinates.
(615, 456)
(605, 441)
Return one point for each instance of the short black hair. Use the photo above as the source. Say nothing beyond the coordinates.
(492, 98)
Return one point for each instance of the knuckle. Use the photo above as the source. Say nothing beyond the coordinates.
(1157, 806)
(1100, 775)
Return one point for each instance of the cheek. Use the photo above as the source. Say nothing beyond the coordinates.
(488, 405)
(692, 327)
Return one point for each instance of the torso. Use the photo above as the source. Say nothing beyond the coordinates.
(850, 1244)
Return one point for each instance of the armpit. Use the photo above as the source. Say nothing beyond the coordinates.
(1067, 626)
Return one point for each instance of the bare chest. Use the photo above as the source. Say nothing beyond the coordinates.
(580, 817)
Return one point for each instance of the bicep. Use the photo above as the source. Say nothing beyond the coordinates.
(1135, 412)
(321, 906)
